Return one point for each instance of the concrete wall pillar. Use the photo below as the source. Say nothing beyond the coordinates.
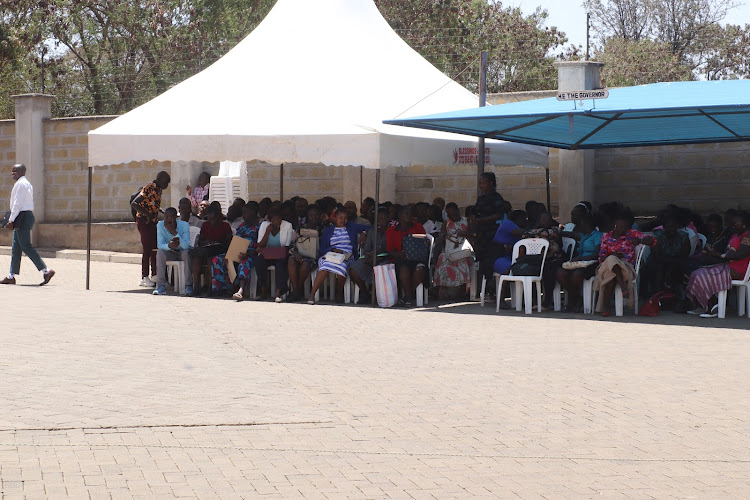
(183, 173)
(577, 167)
(359, 183)
(31, 112)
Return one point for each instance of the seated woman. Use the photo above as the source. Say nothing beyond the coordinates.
(581, 209)
(341, 238)
(706, 282)
(274, 233)
(617, 261)
(665, 266)
(213, 240)
(361, 270)
(300, 266)
(248, 229)
(547, 230)
(451, 278)
(508, 234)
(588, 246)
(410, 273)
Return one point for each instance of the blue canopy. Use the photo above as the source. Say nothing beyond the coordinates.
(646, 115)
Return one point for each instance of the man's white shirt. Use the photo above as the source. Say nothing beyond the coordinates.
(21, 197)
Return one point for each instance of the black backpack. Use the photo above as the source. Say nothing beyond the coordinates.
(133, 197)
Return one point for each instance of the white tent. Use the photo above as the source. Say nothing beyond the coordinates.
(311, 84)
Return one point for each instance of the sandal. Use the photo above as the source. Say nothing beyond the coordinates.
(238, 296)
(713, 314)
(606, 314)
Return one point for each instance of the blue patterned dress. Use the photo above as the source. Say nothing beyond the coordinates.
(340, 241)
(219, 271)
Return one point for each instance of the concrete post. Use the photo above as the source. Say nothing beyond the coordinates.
(577, 167)
(31, 112)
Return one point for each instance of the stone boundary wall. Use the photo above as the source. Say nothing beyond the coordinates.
(66, 183)
(311, 181)
(704, 177)
(458, 184)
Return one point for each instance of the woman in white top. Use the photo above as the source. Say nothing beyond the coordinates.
(274, 240)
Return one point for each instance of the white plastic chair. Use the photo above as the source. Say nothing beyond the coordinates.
(194, 233)
(422, 291)
(619, 300)
(743, 296)
(473, 282)
(569, 246)
(524, 284)
(176, 269)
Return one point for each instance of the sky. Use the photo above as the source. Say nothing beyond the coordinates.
(570, 17)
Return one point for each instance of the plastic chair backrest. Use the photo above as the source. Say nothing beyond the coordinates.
(747, 274)
(639, 257)
(569, 246)
(534, 246)
(194, 233)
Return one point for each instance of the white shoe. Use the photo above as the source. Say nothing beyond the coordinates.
(146, 282)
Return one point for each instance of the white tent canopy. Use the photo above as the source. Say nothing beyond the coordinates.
(311, 84)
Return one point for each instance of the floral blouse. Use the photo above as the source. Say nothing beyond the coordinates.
(625, 245)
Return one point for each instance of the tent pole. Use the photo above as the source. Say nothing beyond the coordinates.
(549, 197)
(375, 228)
(361, 184)
(281, 183)
(88, 234)
(482, 103)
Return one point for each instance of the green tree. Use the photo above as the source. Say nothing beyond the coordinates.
(451, 35)
(635, 35)
(636, 62)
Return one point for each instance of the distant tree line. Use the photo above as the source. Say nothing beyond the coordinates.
(109, 56)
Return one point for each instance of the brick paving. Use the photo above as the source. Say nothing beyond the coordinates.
(226, 400)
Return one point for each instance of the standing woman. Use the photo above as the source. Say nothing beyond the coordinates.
(489, 209)
(342, 239)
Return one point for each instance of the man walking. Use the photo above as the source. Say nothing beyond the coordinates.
(21, 220)
(146, 206)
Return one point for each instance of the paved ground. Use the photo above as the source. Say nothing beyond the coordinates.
(117, 393)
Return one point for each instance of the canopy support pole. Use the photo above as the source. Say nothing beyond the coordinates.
(482, 103)
(549, 197)
(375, 228)
(281, 183)
(88, 234)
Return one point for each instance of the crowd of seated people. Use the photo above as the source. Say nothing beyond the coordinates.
(308, 243)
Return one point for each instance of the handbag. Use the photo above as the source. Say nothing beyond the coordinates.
(652, 305)
(416, 247)
(386, 289)
(336, 258)
(274, 253)
(528, 265)
(458, 250)
(307, 246)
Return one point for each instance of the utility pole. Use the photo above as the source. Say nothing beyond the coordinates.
(44, 53)
(588, 31)
(482, 103)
